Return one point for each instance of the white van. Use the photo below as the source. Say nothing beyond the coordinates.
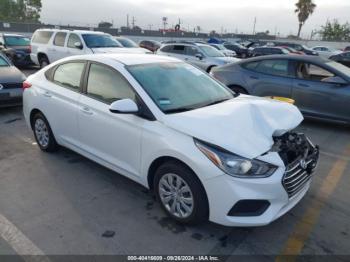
(50, 45)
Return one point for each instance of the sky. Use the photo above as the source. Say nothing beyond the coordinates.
(235, 16)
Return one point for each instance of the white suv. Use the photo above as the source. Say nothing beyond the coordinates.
(50, 45)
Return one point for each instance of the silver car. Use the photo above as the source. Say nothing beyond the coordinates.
(11, 83)
(320, 87)
(201, 55)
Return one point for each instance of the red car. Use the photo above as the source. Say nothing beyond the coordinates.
(150, 45)
(292, 50)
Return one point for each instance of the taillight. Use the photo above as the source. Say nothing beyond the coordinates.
(26, 85)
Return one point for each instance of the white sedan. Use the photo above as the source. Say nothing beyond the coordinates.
(325, 51)
(206, 152)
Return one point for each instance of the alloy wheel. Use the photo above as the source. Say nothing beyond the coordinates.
(176, 195)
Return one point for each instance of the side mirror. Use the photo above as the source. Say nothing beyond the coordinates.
(78, 45)
(199, 56)
(124, 106)
(335, 80)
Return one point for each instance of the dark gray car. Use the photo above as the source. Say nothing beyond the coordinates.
(11, 81)
(320, 87)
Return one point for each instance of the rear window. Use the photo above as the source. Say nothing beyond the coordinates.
(17, 41)
(42, 37)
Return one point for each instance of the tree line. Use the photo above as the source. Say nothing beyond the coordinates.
(20, 10)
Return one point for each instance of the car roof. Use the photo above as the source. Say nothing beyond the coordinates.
(126, 59)
(16, 35)
(71, 31)
(302, 58)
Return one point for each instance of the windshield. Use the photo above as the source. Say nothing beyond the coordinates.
(127, 42)
(179, 87)
(3, 62)
(17, 41)
(211, 51)
(220, 47)
(96, 41)
(341, 68)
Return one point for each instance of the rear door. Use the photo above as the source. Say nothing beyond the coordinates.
(271, 77)
(59, 100)
(58, 50)
(315, 97)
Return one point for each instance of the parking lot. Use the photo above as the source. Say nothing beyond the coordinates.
(63, 203)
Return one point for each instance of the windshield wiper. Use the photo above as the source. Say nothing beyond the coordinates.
(179, 110)
(218, 102)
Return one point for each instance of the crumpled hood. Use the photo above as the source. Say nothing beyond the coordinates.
(117, 50)
(244, 125)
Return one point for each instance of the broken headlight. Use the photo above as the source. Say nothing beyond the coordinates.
(235, 165)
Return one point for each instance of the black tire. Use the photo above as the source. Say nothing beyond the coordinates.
(200, 208)
(43, 61)
(239, 90)
(210, 68)
(51, 145)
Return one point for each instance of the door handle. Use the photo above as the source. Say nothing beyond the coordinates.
(47, 94)
(303, 85)
(86, 110)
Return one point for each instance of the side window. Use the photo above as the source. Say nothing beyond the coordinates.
(60, 38)
(69, 75)
(107, 85)
(42, 37)
(191, 50)
(311, 72)
(273, 67)
(167, 48)
(179, 49)
(73, 38)
(251, 65)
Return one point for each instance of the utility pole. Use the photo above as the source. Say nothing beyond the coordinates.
(127, 21)
(165, 22)
(133, 21)
(150, 27)
(254, 26)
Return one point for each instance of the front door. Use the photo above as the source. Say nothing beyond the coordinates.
(112, 138)
(317, 97)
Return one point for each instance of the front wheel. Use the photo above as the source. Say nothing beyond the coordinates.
(180, 193)
(43, 134)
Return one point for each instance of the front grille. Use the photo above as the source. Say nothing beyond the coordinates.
(12, 85)
(298, 174)
(300, 157)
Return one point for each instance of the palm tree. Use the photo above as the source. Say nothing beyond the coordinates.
(304, 9)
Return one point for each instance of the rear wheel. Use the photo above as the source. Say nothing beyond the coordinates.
(43, 134)
(180, 193)
(43, 61)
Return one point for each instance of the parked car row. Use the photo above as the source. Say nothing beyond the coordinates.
(16, 48)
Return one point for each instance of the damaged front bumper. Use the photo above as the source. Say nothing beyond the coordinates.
(269, 198)
(300, 157)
